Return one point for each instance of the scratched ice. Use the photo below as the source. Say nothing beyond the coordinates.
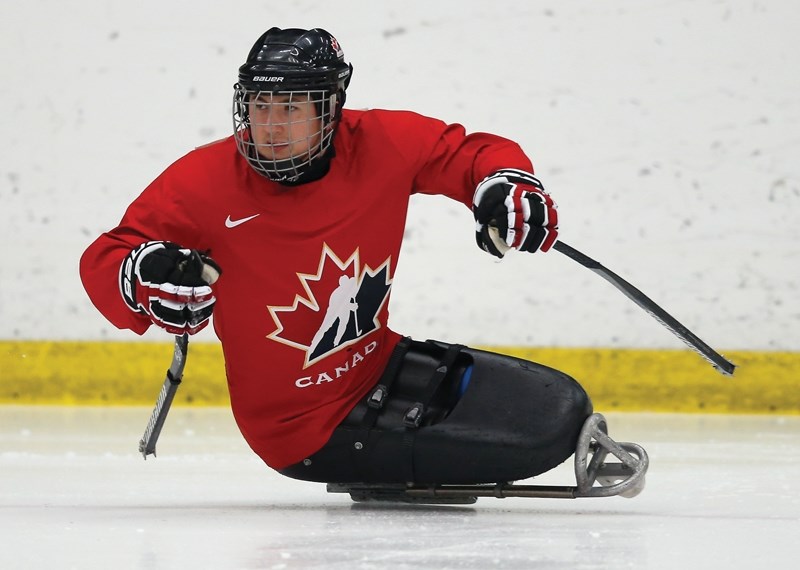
(74, 493)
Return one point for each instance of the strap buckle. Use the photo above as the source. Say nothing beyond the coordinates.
(413, 416)
(378, 397)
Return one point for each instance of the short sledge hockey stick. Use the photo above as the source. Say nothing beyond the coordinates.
(147, 445)
(723, 365)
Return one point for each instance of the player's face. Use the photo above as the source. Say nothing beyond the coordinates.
(284, 125)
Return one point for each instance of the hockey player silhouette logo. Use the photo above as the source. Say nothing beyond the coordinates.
(343, 297)
(340, 306)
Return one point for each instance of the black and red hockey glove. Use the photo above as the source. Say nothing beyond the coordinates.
(513, 211)
(170, 284)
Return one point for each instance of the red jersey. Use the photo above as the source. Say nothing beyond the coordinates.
(302, 304)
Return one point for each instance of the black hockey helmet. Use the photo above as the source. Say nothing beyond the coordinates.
(293, 61)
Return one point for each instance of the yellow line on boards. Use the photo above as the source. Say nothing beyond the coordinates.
(131, 373)
(677, 380)
(101, 372)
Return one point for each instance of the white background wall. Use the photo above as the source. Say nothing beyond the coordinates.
(667, 131)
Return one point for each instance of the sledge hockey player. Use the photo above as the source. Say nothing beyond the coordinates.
(303, 206)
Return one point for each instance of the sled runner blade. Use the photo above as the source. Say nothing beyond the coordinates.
(399, 493)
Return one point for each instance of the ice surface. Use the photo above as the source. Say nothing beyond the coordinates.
(74, 493)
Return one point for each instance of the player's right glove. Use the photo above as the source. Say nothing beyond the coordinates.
(170, 284)
(512, 210)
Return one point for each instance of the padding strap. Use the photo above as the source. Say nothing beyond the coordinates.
(413, 416)
(375, 402)
(377, 397)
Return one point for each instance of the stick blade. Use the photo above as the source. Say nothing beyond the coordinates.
(719, 362)
(147, 445)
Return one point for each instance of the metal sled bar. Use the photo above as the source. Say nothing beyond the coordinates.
(625, 479)
(496, 491)
(465, 494)
(449, 494)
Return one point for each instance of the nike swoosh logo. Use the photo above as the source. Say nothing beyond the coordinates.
(229, 223)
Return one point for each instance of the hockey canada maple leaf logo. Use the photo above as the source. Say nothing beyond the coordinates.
(342, 300)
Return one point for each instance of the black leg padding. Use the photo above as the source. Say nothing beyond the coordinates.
(516, 419)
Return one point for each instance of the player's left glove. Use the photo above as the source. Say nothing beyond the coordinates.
(512, 210)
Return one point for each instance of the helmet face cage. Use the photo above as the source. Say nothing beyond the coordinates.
(281, 133)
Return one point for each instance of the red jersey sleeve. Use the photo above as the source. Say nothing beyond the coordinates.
(157, 214)
(449, 161)
(459, 161)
